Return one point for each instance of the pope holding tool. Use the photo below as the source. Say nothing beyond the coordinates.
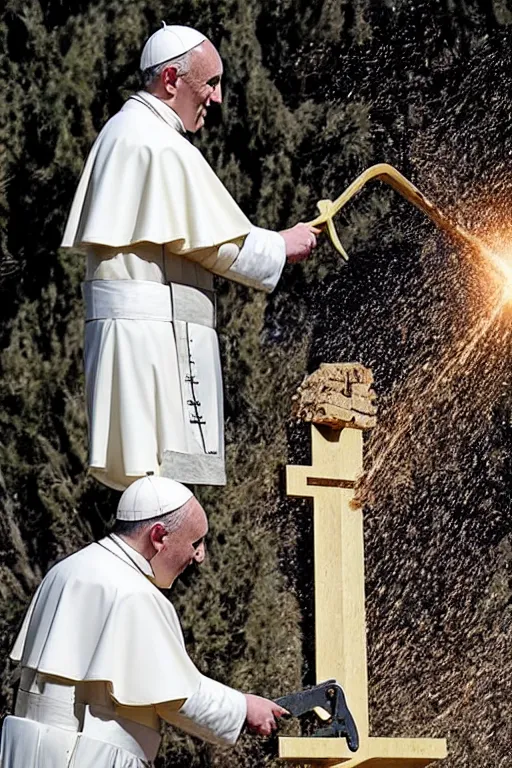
(101, 655)
(156, 225)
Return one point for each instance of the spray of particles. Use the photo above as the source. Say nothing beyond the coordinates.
(434, 322)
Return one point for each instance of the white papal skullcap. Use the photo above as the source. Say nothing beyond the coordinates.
(151, 496)
(170, 41)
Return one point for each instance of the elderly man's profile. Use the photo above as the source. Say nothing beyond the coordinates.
(156, 224)
(101, 658)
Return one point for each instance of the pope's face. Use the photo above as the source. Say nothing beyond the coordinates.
(199, 87)
(182, 547)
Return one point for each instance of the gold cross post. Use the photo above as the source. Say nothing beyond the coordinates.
(340, 626)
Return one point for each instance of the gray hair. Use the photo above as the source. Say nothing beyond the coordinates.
(171, 521)
(181, 63)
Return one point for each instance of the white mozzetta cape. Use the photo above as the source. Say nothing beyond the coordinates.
(145, 183)
(96, 617)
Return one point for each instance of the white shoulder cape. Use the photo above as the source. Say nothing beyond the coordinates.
(96, 617)
(145, 182)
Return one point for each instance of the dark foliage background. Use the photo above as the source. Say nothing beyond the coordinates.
(315, 92)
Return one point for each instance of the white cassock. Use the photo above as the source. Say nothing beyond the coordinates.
(102, 663)
(156, 224)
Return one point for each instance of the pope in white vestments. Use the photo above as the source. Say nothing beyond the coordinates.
(156, 224)
(101, 655)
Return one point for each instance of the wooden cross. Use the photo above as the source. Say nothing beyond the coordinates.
(340, 627)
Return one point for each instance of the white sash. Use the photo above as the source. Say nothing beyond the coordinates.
(148, 300)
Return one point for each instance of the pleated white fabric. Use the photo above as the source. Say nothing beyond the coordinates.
(96, 617)
(153, 382)
(145, 183)
(57, 723)
(29, 744)
(132, 378)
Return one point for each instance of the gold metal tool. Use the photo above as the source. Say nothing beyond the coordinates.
(386, 173)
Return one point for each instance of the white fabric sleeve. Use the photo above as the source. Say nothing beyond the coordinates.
(214, 713)
(257, 263)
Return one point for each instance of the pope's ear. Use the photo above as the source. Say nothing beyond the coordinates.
(157, 533)
(169, 77)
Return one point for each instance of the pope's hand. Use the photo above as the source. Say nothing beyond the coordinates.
(299, 241)
(262, 714)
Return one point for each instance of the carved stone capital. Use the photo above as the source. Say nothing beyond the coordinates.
(337, 395)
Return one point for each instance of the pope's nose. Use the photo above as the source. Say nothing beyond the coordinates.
(216, 96)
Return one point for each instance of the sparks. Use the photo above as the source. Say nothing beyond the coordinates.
(498, 253)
